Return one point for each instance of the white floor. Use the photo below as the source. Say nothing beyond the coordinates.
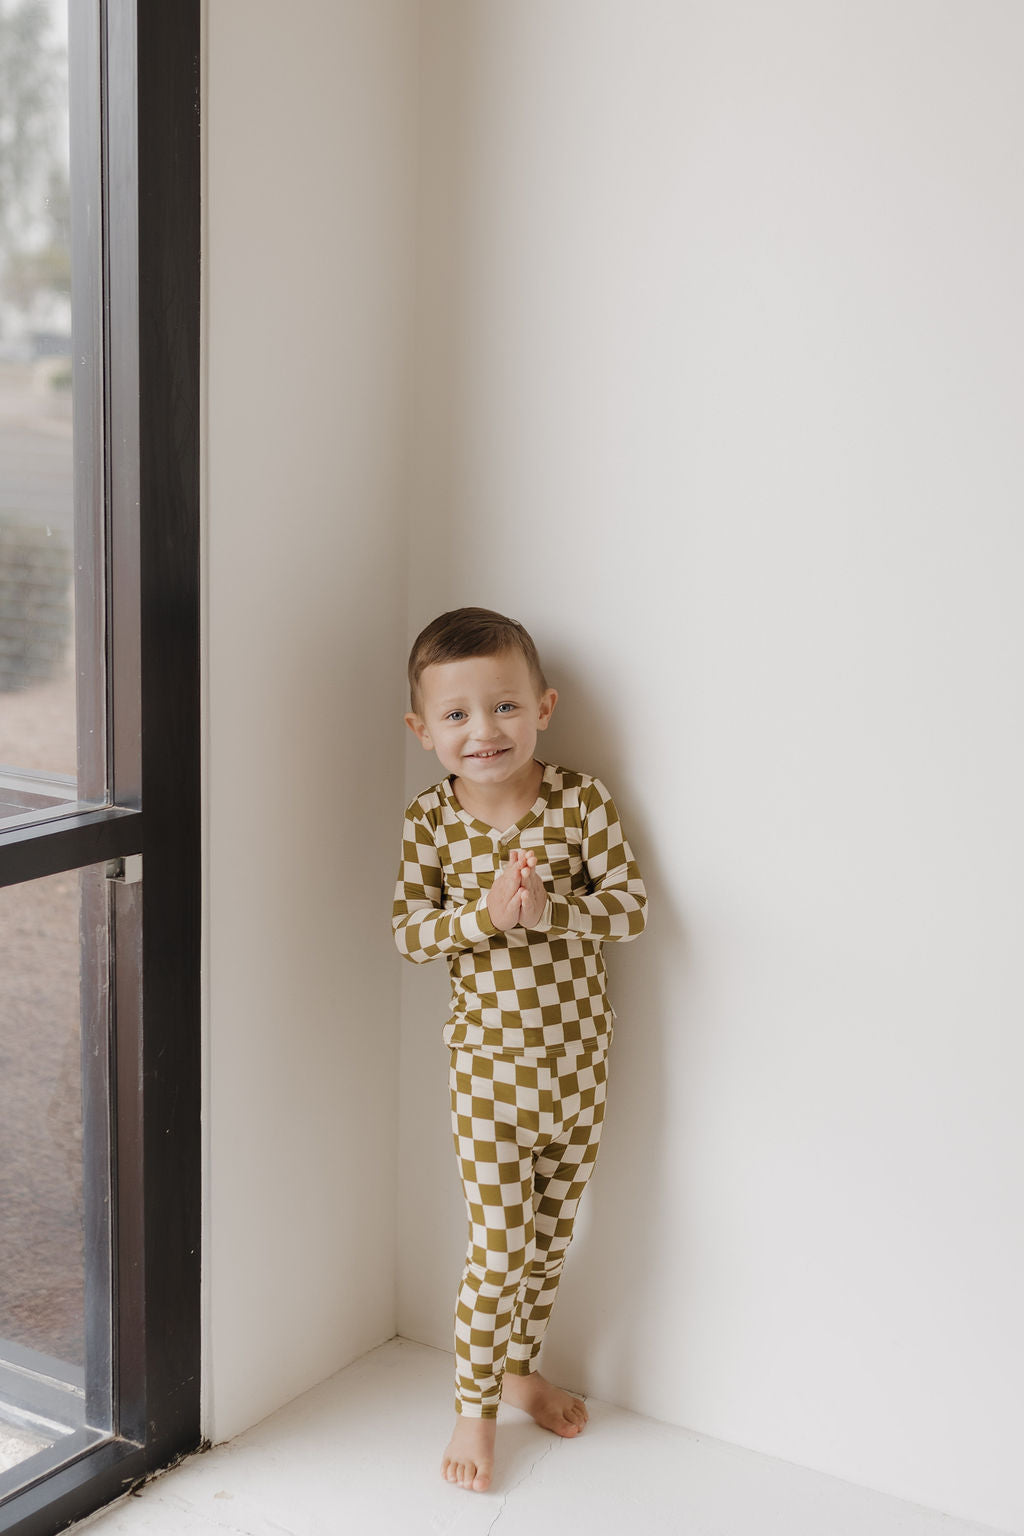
(361, 1453)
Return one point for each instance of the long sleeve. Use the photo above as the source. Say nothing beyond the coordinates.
(616, 905)
(424, 929)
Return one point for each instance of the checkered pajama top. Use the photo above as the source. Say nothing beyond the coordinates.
(536, 992)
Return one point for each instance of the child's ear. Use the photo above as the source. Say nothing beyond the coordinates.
(418, 727)
(545, 708)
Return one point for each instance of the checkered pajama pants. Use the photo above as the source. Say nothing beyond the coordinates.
(526, 1138)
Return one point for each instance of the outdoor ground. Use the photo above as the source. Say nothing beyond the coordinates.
(41, 1279)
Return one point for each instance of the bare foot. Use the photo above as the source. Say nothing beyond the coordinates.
(468, 1458)
(551, 1407)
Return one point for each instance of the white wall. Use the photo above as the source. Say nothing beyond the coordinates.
(309, 192)
(720, 392)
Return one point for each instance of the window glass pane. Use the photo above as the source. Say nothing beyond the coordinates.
(38, 746)
(54, 1142)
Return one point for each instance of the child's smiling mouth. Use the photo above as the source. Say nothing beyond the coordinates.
(486, 756)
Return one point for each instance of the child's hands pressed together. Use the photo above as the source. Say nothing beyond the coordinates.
(503, 899)
(518, 896)
(533, 896)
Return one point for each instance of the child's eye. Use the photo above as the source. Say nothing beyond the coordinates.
(505, 707)
(455, 716)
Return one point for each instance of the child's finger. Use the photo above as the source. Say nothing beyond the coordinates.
(509, 880)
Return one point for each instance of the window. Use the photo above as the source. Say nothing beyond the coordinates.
(99, 741)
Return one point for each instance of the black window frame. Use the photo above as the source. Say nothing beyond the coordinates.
(136, 135)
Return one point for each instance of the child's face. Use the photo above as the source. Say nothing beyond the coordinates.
(481, 716)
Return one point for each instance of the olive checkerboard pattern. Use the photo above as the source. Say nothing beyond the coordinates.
(526, 1138)
(535, 992)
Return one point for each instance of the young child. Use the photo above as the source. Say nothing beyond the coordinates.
(517, 872)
